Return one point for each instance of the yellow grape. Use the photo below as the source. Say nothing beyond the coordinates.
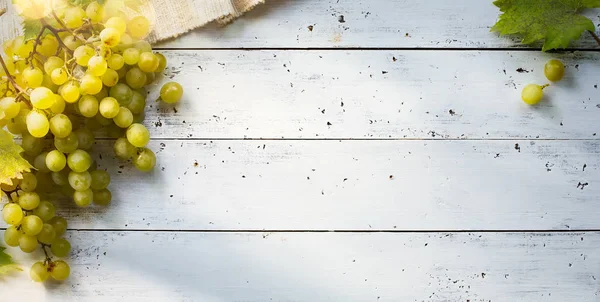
(124, 118)
(88, 106)
(138, 27)
(109, 107)
(37, 124)
(70, 92)
(48, 46)
(131, 56)
(33, 77)
(143, 46)
(95, 12)
(60, 270)
(59, 76)
(135, 78)
(117, 23)
(12, 214)
(53, 63)
(74, 17)
(10, 107)
(110, 37)
(90, 84)
(42, 98)
(554, 70)
(115, 62)
(110, 78)
(47, 82)
(148, 62)
(83, 54)
(532, 94)
(162, 62)
(39, 272)
(71, 42)
(171, 92)
(59, 104)
(97, 65)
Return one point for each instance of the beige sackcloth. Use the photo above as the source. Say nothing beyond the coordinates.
(169, 18)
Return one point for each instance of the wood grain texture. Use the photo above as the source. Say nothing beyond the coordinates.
(375, 94)
(258, 267)
(353, 185)
(359, 24)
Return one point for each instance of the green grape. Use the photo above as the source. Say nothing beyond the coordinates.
(42, 98)
(150, 77)
(97, 65)
(86, 138)
(70, 92)
(90, 84)
(145, 160)
(102, 197)
(11, 236)
(115, 62)
(61, 178)
(171, 92)
(71, 42)
(39, 272)
(115, 131)
(117, 23)
(162, 62)
(79, 161)
(60, 271)
(80, 181)
(88, 106)
(83, 198)
(74, 16)
(37, 124)
(122, 93)
(12, 214)
(28, 243)
(131, 56)
(100, 179)
(48, 46)
(32, 225)
(59, 76)
(554, 70)
(95, 12)
(110, 37)
(82, 55)
(33, 77)
(124, 149)
(122, 73)
(138, 27)
(59, 105)
(60, 247)
(28, 183)
(68, 144)
(61, 126)
(124, 118)
(93, 167)
(47, 234)
(102, 120)
(532, 94)
(110, 78)
(32, 145)
(137, 103)
(135, 78)
(148, 62)
(109, 107)
(40, 163)
(138, 135)
(53, 63)
(56, 161)
(59, 224)
(29, 200)
(45, 211)
(10, 107)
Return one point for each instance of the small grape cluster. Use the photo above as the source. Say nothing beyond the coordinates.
(532, 94)
(85, 71)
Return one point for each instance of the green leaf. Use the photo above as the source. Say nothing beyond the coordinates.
(31, 28)
(557, 22)
(6, 263)
(82, 3)
(12, 165)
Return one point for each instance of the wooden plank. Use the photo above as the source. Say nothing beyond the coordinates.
(375, 94)
(373, 23)
(256, 267)
(350, 185)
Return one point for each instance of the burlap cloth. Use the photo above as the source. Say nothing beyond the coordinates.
(169, 18)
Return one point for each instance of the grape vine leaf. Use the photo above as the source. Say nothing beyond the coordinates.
(31, 28)
(557, 22)
(12, 165)
(6, 263)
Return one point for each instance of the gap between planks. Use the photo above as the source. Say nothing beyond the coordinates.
(479, 49)
(362, 231)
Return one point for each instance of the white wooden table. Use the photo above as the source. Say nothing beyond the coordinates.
(384, 158)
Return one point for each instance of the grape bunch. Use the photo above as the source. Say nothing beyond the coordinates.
(85, 72)
(532, 94)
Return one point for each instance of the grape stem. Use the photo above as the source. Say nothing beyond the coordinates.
(544, 86)
(35, 45)
(55, 32)
(11, 79)
(595, 36)
(48, 258)
(2, 11)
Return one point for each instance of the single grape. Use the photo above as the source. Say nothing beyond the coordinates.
(110, 37)
(100, 179)
(60, 247)
(171, 92)
(28, 243)
(12, 214)
(73, 16)
(117, 23)
(71, 42)
(162, 62)
(148, 62)
(32, 225)
(42, 98)
(90, 84)
(68, 144)
(532, 94)
(110, 78)
(32, 145)
(53, 63)
(10, 107)
(37, 124)
(83, 198)
(102, 197)
(145, 160)
(86, 138)
(138, 27)
(97, 65)
(59, 104)
(28, 183)
(131, 56)
(135, 78)
(21, 120)
(122, 93)
(33, 77)
(79, 161)
(124, 149)
(40, 162)
(39, 272)
(59, 224)
(29, 201)
(137, 103)
(88, 106)
(59, 76)
(80, 181)
(124, 118)
(70, 92)
(138, 135)
(48, 46)
(554, 70)
(126, 42)
(47, 234)
(95, 12)
(83, 54)
(11, 236)
(109, 107)
(61, 178)
(61, 125)
(60, 270)
(115, 62)
(56, 161)
(45, 211)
